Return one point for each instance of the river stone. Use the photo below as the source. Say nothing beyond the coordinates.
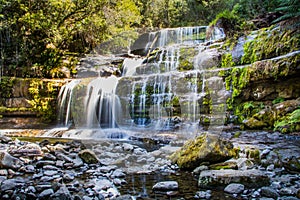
(8, 161)
(205, 148)
(166, 186)
(11, 184)
(88, 156)
(269, 192)
(29, 149)
(46, 193)
(249, 178)
(234, 188)
(62, 194)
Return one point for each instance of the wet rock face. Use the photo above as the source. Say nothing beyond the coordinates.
(206, 148)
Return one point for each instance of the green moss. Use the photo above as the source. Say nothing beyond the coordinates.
(10, 110)
(228, 21)
(227, 61)
(288, 123)
(6, 85)
(186, 59)
(253, 154)
(278, 100)
(270, 43)
(43, 98)
(237, 134)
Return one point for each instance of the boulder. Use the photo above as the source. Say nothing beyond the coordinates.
(205, 148)
(234, 188)
(221, 178)
(8, 161)
(166, 186)
(88, 156)
(27, 150)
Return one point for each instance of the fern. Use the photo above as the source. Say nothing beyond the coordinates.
(290, 8)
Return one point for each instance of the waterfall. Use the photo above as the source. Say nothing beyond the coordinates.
(102, 105)
(130, 65)
(64, 102)
(156, 92)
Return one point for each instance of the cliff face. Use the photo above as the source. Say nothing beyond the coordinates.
(263, 77)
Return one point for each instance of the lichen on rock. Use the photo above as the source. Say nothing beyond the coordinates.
(205, 148)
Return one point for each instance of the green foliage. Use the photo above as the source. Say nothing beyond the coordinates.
(290, 8)
(251, 9)
(227, 61)
(43, 96)
(6, 85)
(289, 123)
(229, 21)
(278, 100)
(39, 36)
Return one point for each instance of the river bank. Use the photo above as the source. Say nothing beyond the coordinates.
(139, 168)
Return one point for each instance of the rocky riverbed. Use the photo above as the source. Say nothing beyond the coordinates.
(265, 167)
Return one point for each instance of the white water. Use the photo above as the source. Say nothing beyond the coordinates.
(101, 103)
(149, 98)
(65, 99)
(130, 65)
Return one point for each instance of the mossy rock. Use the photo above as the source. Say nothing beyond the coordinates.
(205, 148)
(224, 165)
(279, 115)
(88, 156)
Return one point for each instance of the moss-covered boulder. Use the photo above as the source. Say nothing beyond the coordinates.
(205, 148)
(284, 116)
(88, 156)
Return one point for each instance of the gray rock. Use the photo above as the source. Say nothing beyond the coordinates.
(50, 167)
(234, 188)
(249, 178)
(288, 198)
(50, 172)
(269, 192)
(30, 189)
(166, 186)
(118, 174)
(46, 193)
(124, 197)
(46, 179)
(42, 163)
(199, 169)
(244, 163)
(288, 191)
(11, 184)
(203, 194)
(128, 147)
(62, 194)
(8, 161)
(68, 177)
(3, 172)
(49, 156)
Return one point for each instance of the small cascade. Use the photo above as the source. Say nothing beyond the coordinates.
(102, 106)
(130, 65)
(64, 102)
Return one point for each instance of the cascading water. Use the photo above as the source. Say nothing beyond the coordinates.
(156, 92)
(65, 99)
(101, 103)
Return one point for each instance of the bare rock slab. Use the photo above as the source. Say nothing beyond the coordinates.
(249, 178)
